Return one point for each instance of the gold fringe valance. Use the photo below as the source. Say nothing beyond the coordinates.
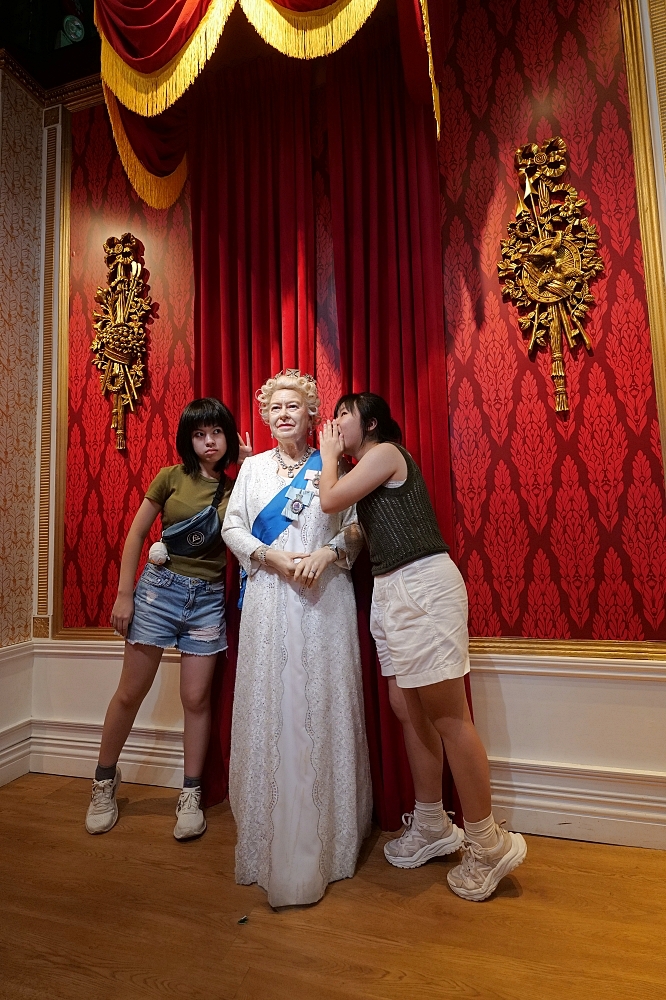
(149, 94)
(431, 65)
(158, 192)
(300, 35)
(307, 36)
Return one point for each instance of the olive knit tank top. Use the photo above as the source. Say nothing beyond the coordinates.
(399, 522)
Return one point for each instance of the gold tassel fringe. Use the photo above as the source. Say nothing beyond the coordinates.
(307, 36)
(431, 65)
(158, 192)
(302, 36)
(149, 94)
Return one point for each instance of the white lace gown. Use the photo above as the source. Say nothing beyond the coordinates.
(299, 782)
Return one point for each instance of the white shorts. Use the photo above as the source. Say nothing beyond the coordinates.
(419, 622)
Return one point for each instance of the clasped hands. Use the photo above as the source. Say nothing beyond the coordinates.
(301, 567)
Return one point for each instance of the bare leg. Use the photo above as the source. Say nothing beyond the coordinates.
(445, 704)
(196, 677)
(140, 665)
(422, 742)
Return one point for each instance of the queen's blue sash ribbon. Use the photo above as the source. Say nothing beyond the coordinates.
(271, 522)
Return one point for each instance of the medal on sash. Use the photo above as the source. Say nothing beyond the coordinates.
(297, 501)
(313, 477)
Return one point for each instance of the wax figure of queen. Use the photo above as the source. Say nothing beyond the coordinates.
(299, 782)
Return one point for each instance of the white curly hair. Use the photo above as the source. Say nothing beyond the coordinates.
(290, 378)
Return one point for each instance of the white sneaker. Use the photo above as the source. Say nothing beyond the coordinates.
(481, 871)
(102, 812)
(416, 845)
(191, 820)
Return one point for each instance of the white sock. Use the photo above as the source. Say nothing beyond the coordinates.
(484, 833)
(430, 815)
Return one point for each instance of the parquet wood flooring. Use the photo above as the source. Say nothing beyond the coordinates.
(134, 915)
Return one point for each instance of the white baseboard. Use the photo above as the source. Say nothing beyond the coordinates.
(602, 805)
(150, 757)
(15, 751)
(532, 713)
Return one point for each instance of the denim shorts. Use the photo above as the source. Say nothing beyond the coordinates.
(180, 611)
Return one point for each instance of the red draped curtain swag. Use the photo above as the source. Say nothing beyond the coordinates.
(154, 50)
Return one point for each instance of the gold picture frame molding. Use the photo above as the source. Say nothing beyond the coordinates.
(655, 283)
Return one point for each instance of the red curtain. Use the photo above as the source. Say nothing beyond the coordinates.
(252, 231)
(388, 279)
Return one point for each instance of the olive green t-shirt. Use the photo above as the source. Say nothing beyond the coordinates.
(181, 496)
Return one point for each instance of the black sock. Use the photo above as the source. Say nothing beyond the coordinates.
(104, 773)
(191, 782)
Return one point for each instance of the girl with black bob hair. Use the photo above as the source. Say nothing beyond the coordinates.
(419, 623)
(181, 606)
(206, 412)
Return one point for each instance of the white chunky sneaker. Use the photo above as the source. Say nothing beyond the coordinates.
(103, 810)
(481, 871)
(191, 820)
(416, 845)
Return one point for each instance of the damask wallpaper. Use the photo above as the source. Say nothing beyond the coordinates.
(20, 241)
(561, 524)
(106, 486)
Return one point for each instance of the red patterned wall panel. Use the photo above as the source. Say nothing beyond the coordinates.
(104, 486)
(561, 521)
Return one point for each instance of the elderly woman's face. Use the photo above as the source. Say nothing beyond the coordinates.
(288, 416)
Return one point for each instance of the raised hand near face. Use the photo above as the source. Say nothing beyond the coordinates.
(331, 442)
(244, 448)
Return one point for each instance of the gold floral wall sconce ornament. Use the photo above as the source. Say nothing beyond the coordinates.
(120, 338)
(549, 258)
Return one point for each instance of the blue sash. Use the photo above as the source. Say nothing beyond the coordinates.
(271, 522)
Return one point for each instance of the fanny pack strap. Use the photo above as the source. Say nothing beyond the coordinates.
(219, 492)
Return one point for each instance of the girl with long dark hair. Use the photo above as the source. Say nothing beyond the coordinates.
(419, 623)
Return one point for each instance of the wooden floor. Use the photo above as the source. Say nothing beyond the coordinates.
(133, 915)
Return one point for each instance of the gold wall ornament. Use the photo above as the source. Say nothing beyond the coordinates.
(550, 258)
(120, 340)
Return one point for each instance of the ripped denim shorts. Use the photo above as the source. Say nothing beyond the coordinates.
(180, 611)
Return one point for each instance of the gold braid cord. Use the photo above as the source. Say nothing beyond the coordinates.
(120, 338)
(550, 258)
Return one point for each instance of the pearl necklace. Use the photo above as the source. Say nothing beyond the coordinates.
(291, 470)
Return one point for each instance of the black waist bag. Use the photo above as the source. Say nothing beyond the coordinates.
(197, 534)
